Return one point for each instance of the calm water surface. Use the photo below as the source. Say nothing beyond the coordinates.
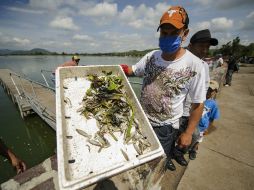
(32, 139)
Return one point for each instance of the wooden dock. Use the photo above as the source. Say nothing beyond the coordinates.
(30, 96)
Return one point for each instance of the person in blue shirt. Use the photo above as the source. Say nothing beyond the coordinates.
(210, 113)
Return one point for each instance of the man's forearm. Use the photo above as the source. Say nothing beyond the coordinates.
(195, 115)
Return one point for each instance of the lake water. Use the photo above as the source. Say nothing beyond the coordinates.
(32, 139)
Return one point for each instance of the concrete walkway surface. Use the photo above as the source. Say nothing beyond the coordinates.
(225, 159)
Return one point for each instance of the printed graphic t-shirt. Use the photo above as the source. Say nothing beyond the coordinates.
(166, 84)
(210, 113)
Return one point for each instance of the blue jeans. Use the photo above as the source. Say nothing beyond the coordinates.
(167, 136)
(229, 76)
(195, 136)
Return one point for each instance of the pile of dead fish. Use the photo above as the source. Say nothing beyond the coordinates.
(107, 102)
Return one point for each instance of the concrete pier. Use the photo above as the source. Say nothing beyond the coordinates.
(225, 158)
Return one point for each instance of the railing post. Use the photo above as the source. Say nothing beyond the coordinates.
(44, 78)
(15, 86)
(33, 89)
(21, 85)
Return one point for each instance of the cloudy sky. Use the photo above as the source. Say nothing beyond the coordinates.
(114, 25)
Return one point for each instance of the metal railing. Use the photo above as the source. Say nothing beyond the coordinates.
(32, 97)
(43, 76)
(29, 80)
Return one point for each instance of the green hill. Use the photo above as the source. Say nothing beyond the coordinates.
(35, 51)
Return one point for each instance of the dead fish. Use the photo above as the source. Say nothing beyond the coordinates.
(102, 140)
(81, 109)
(83, 133)
(145, 142)
(128, 139)
(136, 121)
(125, 155)
(114, 137)
(88, 147)
(67, 101)
(94, 142)
(100, 149)
(137, 148)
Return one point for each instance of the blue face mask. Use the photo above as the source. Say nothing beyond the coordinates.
(170, 44)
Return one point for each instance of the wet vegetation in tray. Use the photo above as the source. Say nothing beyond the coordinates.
(107, 102)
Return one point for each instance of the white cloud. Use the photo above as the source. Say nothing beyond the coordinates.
(67, 44)
(127, 13)
(21, 42)
(17, 9)
(203, 25)
(101, 14)
(220, 24)
(251, 15)
(247, 24)
(136, 23)
(142, 16)
(63, 22)
(101, 10)
(82, 37)
(121, 42)
(92, 44)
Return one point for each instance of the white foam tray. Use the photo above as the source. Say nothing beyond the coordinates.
(90, 165)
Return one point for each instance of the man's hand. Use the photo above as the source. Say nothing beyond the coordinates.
(125, 68)
(19, 165)
(184, 140)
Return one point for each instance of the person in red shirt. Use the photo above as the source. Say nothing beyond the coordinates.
(74, 62)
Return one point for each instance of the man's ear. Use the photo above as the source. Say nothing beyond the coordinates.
(185, 34)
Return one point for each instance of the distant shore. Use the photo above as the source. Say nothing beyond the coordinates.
(38, 51)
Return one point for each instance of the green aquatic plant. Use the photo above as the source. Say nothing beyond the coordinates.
(107, 102)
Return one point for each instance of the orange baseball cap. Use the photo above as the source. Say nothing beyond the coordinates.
(176, 15)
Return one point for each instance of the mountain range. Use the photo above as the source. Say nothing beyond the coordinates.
(35, 51)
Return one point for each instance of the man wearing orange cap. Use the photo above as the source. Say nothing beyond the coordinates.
(169, 74)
